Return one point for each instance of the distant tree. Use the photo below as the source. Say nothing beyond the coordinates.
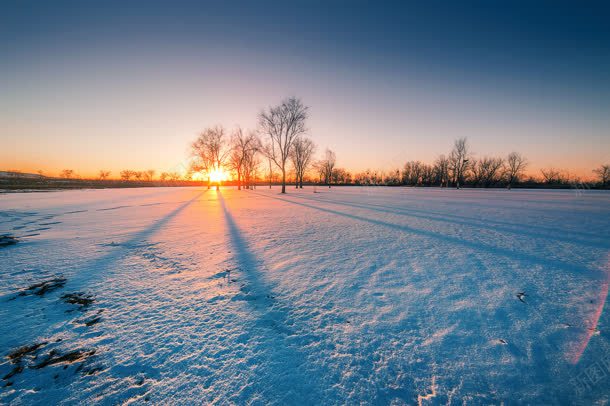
(149, 175)
(283, 124)
(551, 176)
(250, 166)
(103, 174)
(441, 171)
(243, 147)
(210, 152)
(138, 175)
(327, 165)
(270, 161)
(67, 173)
(174, 176)
(487, 171)
(301, 155)
(515, 165)
(458, 161)
(318, 169)
(341, 176)
(427, 175)
(163, 176)
(376, 177)
(393, 178)
(603, 174)
(127, 174)
(412, 173)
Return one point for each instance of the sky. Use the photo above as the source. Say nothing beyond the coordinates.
(128, 85)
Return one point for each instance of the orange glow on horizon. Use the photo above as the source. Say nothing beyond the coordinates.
(215, 176)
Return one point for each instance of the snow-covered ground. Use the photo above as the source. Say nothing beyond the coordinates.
(347, 296)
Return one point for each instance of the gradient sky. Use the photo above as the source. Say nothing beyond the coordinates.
(128, 84)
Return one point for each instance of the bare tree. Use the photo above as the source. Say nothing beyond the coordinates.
(441, 171)
(127, 174)
(393, 178)
(270, 171)
(487, 171)
(164, 176)
(250, 167)
(301, 155)
(149, 174)
(318, 169)
(266, 150)
(103, 174)
(283, 124)
(243, 148)
(327, 165)
(67, 173)
(603, 173)
(138, 175)
(428, 175)
(174, 176)
(458, 160)
(210, 152)
(342, 176)
(515, 165)
(412, 173)
(551, 176)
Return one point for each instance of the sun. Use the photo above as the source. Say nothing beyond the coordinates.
(218, 175)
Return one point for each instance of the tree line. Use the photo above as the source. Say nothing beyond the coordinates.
(279, 151)
(279, 143)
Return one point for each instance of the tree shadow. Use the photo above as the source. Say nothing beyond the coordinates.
(492, 202)
(502, 226)
(494, 250)
(289, 374)
(97, 267)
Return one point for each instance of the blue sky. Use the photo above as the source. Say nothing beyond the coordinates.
(128, 84)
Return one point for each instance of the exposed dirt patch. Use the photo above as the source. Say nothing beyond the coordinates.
(20, 356)
(6, 240)
(54, 357)
(44, 287)
(93, 321)
(80, 299)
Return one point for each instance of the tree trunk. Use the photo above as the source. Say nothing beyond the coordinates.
(270, 174)
(238, 181)
(209, 183)
(283, 180)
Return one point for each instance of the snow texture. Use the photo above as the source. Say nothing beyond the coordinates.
(346, 296)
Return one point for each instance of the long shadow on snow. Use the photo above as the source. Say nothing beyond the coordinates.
(463, 220)
(520, 256)
(406, 198)
(495, 203)
(291, 368)
(97, 266)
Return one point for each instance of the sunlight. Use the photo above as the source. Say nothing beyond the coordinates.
(218, 176)
(214, 176)
(198, 176)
